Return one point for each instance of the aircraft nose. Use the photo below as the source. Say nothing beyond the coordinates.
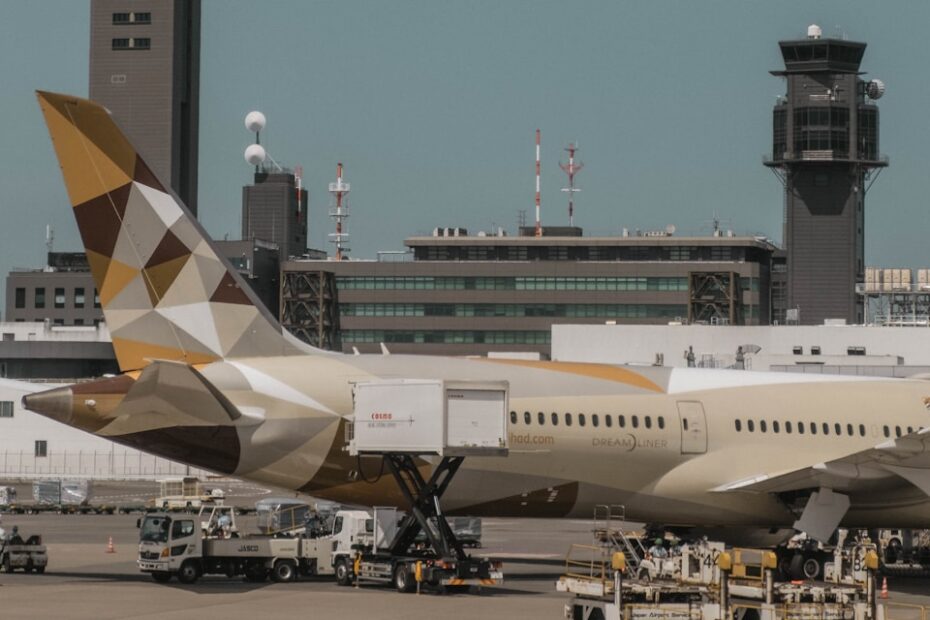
(57, 404)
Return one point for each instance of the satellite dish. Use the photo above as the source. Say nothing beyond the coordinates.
(255, 121)
(255, 154)
(670, 229)
(875, 89)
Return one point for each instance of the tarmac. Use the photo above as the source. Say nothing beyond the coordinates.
(84, 581)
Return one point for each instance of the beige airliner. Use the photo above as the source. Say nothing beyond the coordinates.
(210, 379)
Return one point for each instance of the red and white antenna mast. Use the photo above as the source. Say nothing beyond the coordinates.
(538, 223)
(340, 190)
(571, 169)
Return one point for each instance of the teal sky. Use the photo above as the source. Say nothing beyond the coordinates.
(432, 106)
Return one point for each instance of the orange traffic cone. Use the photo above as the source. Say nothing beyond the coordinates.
(110, 548)
(884, 587)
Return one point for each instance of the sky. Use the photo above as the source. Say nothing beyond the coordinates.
(432, 108)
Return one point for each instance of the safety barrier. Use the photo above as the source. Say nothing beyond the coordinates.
(588, 562)
(119, 464)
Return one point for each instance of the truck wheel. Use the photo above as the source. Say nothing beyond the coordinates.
(403, 580)
(255, 572)
(811, 568)
(40, 570)
(7, 565)
(189, 572)
(343, 573)
(284, 571)
(161, 576)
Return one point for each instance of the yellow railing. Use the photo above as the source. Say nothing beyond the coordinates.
(587, 562)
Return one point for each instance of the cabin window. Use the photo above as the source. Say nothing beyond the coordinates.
(788, 427)
(542, 418)
(849, 430)
(897, 431)
(887, 432)
(648, 421)
(813, 428)
(739, 426)
(609, 421)
(750, 425)
(838, 428)
(634, 420)
(862, 430)
(526, 417)
(513, 417)
(910, 430)
(581, 420)
(762, 426)
(826, 428)
(621, 421)
(775, 426)
(568, 419)
(555, 419)
(800, 428)
(595, 421)
(661, 422)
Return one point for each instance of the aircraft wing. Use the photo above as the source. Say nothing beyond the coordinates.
(905, 458)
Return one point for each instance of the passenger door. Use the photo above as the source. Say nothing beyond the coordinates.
(693, 425)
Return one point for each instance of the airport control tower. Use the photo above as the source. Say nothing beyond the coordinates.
(825, 151)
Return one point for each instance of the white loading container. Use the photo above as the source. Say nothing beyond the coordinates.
(448, 418)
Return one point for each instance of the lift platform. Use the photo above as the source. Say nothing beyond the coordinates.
(409, 423)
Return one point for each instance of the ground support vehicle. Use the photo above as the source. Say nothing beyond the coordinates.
(29, 554)
(401, 420)
(188, 547)
(706, 581)
(405, 563)
(185, 494)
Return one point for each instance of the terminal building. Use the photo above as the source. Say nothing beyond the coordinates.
(471, 295)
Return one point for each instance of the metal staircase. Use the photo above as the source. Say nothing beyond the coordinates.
(609, 533)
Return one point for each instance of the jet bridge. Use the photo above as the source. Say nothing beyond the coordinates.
(404, 421)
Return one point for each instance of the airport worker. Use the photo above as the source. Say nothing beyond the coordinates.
(15, 538)
(657, 550)
(2, 531)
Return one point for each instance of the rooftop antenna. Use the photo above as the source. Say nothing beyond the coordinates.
(340, 190)
(255, 154)
(49, 238)
(538, 232)
(571, 169)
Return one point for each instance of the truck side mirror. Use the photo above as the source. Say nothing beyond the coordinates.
(138, 523)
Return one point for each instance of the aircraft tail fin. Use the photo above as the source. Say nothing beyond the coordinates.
(166, 292)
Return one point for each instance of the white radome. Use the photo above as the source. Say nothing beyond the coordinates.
(875, 89)
(255, 154)
(255, 121)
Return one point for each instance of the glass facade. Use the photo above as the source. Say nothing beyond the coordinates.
(519, 283)
(444, 336)
(606, 311)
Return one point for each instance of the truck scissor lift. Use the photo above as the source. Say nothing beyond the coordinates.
(409, 423)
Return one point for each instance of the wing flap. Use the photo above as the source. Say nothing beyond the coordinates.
(905, 458)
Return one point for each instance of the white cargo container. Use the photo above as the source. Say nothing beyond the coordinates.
(448, 418)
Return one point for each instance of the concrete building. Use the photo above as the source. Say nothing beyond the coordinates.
(471, 295)
(836, 349)
(41, 350)
(272, 210)
(63, 292)
(824, 148)
(145, 68)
